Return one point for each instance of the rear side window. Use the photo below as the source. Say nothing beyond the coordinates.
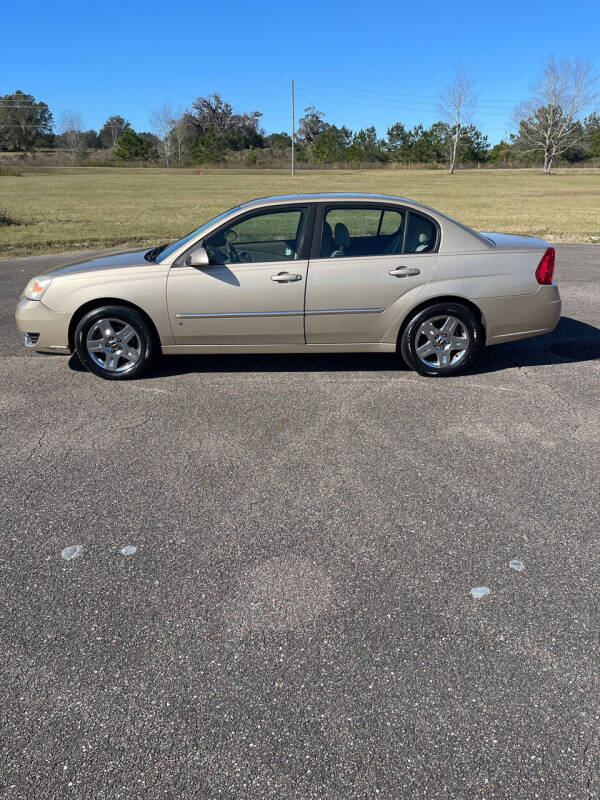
(356, 231)
(391, 222)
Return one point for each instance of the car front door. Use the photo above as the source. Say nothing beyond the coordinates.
(252, 290)
(366, 259)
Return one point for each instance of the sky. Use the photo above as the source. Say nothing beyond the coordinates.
(360, 63)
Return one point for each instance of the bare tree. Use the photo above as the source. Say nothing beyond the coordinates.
(162, 125)
(112, 130)
(180, 137)
(173, 131)
(549, 122)
(457, 103)
(71, 129)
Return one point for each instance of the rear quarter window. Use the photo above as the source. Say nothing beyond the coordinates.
(421, 234)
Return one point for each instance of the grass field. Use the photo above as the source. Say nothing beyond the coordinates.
(53, 209)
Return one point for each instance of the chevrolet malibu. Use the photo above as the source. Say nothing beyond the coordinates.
(318, 273)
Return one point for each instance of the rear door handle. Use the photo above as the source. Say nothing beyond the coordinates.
(404, 272)
(286, 277)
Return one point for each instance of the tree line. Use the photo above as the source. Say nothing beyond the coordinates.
(548, 126)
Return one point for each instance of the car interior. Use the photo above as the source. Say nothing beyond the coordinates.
(349, 232)
(272, 236)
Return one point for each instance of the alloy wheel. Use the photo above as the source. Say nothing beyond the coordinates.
(114, 345)
(442, 341)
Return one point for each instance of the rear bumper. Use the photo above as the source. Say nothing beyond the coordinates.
(519, 317)
(44, 330)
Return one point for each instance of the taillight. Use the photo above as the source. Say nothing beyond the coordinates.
(545, 270)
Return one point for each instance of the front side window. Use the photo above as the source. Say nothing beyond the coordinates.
(368, 231)
(265, 236)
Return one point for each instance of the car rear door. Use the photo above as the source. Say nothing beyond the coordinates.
(365, 258)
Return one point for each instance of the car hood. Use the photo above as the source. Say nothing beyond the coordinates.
(510, 241)
(112, 261)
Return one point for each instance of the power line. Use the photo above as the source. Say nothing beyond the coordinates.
(128, 93)
(391, 95)
(418, 106)
(415, 107)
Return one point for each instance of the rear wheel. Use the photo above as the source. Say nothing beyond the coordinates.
(442, 340)
(115, 342)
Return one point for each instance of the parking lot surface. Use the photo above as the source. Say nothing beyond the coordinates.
(292, 614)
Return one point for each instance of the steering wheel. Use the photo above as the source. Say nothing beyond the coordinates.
(231, 254)
(230, 237)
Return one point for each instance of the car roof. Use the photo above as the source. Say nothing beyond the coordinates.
(321, 197)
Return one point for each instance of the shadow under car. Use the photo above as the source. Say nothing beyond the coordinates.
(570, 341)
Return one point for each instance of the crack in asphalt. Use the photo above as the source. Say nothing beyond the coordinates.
(37, 447)
(140, 424)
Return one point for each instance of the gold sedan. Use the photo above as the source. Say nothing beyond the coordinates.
(297, 274)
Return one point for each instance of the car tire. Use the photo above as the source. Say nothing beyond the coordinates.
(442, 340)
(116, 343)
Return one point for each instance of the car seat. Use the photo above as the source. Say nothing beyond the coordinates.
(327, 242)
(341, 236)
(423, 243)
(395, 244)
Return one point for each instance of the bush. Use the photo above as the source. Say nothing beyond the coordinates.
(6, 219)
(251, 157)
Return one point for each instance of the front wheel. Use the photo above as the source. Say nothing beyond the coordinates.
(115, 343)
(442, 340)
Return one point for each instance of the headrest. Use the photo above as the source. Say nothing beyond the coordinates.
(341, 235)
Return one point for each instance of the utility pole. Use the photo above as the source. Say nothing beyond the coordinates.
(293, 133)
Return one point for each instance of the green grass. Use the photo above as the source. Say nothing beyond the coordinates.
(77, 207)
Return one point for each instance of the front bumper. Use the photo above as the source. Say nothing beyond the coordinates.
(521, 316)
(44, 330)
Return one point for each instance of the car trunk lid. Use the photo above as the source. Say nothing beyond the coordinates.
(511, 241)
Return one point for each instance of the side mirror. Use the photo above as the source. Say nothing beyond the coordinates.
(199, 258)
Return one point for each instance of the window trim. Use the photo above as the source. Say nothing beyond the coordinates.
(315, 250)
(307, 233)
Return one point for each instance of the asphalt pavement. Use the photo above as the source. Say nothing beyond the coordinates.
(292, 614)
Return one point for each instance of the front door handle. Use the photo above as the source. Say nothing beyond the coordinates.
(404, 272)
(286, 277)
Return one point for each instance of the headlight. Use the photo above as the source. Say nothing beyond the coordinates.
(36, 287)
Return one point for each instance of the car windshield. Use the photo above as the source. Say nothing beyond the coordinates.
(168, 250)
